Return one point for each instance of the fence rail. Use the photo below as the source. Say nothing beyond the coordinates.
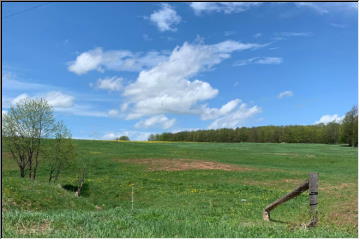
(312, 184)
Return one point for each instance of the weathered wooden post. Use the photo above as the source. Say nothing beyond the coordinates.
(313, 193)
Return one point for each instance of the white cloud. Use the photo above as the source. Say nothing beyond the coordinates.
(58, 99)
(117, 60)
(166, 18)
(212, 113)
(124, 107)
(325, 119)
(110, 83)
(19, 98)
(113, 112)
(158, 120)
(225, 7)
(109, 136)
(325, 8)
(55, 99)
(167, 88)
(285, 94)
(82, 110)
(294, 34)
(235, 118)
(10, 82)
(259, 60)
(278, 36)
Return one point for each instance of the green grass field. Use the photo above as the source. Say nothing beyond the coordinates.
(186, 190)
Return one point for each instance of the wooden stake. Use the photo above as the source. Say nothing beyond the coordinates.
(132, 198)
(313, 193)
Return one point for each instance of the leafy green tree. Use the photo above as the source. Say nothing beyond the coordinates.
(349, 128)
(24, 127)
(123, 138)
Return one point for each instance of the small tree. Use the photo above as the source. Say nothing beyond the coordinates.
(27, 128)
(24, 126)
(59, 152)
(82, 172)
(151, 137)
(123, 138)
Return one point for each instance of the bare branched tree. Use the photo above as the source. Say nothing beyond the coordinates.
(59, 152)
(82, 171)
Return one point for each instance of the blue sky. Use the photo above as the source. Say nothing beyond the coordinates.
(112, 69)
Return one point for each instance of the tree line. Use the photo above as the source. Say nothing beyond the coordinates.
(344, 132)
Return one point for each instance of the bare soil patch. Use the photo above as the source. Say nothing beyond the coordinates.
(184, 164)
(33, 229)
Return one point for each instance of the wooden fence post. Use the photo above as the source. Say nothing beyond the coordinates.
(313, 193)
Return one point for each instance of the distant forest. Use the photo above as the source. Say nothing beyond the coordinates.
(345, 132)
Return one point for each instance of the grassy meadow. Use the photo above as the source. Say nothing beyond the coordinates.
(185, 190)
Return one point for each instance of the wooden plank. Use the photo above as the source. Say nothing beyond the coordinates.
(313, 194)
(303, 187)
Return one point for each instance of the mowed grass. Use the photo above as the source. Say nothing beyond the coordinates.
(186, 201)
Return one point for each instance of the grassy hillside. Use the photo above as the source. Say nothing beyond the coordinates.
(185, 190)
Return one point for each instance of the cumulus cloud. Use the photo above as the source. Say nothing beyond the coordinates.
(259, 60)
(168, 88)
(54, 98)
(158, 120)
(287, 93)
(211, 113)
(325, 119)
(110, 83)
(166, 18)
(224, 7)
(117, 60)
(235, 118)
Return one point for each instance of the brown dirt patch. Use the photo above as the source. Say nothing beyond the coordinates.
(33, 229)
(184, 164)
(346, 213)
(283, 183)
(337, 188)
(287, 154)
